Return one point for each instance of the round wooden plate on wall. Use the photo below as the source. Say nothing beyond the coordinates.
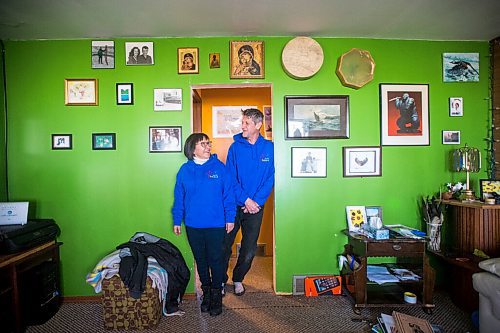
(302, 57)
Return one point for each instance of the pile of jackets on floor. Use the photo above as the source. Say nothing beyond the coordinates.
(143, 256)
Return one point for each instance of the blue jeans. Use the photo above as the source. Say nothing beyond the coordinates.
(206, 244)
(250, 229)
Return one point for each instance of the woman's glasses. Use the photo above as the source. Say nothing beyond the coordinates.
(205, 144)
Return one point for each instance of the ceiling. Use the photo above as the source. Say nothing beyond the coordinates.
(391, 19)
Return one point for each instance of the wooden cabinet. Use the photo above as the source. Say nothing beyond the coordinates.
(409, 253)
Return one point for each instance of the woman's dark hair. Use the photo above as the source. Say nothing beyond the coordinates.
(191, 142)
(131, 53)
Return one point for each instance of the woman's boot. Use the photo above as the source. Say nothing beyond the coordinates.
(216, 302)
(206, 298)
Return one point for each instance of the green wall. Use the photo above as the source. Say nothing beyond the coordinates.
(100, 198)
(3, 164)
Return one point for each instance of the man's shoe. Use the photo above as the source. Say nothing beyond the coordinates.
(239, 289)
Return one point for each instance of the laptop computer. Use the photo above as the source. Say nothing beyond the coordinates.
(13, 213)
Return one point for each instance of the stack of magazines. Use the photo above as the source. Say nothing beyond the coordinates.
(402, 323)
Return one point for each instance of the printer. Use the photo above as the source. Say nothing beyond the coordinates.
(16, 238)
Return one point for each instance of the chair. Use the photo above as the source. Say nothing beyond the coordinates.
(487, 284)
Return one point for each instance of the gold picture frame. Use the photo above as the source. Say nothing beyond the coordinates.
(187, 60)
(246, 60)
(81, 92)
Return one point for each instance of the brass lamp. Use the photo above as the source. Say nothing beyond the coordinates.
(467, 159)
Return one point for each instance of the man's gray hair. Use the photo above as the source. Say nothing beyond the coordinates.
(254, 114)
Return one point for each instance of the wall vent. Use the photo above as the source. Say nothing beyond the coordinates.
(298, 285)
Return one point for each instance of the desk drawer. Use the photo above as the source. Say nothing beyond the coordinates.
(395, 249)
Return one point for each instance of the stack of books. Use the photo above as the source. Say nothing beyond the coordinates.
(402, 323)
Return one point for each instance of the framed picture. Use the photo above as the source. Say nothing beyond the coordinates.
(404, 114)
(167, 99)
(489, 188)
(187, 60)
(103, 54)
(456, 107)
(308, 162)
(165, 139)
(362, 161)
(103, 141)
(214, 60)
(356, 217)
(124, 93)
(461, 67)
(374, 216)
(139, 53)
(226, 120)
(317, 117)
(246, 60)
(80, 92)
(267, 110)
(62, 141)
(451, 137)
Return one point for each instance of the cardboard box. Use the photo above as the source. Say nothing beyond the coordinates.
(323, 285)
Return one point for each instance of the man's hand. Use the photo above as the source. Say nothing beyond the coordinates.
(251, 207)
(229, 227)
(177, 230)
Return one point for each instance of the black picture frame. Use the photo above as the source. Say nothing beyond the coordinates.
(362, 161)
(487, 189)
(165, 139)
(124, 94)
(316, 117)
(62, 141)
(103, 141)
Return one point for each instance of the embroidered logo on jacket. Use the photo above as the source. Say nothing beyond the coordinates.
(212, 174)
(264, 158)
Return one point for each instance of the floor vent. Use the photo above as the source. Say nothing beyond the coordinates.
(298, 285)
(261, 249)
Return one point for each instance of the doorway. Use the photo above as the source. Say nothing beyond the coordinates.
(214, 111)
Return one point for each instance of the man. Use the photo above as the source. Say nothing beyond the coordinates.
(408, 114)
(144, 58)
(250, 161)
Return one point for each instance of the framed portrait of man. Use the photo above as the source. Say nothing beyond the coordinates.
(187, 60)
(246, 60)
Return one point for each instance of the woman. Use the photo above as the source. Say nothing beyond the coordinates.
(204, 200)
(133, 56)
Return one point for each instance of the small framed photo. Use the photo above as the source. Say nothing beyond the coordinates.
(103, 54)
(317, 117)
(125, 93)
(451, 137)
(404, 114)
(167, 99)
(214, 60)
(456, 107)
(460, 67)
(139, 53)
(490, 188)
(356, 217)
(187, 60)
(62, 141)
(374, 216)
(165, 139)
(80, 92)
(226, 120)
(308, 162)
(246, 60)
(362, 161)
(267, 110)
(103, 141)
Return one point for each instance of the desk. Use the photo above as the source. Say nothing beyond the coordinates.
(11, 268)
(410, 253)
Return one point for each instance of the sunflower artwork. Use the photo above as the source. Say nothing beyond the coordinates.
(356, 217)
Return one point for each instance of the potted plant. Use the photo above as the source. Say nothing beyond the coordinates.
(452, 190)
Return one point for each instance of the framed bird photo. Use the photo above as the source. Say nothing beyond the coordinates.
(460, 67)
(362, 161)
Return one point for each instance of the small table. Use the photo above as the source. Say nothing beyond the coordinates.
(410, 254)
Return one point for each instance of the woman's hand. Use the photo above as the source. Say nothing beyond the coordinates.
(177, 230)
(229, 227)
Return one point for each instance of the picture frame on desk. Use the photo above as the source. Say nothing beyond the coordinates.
(490, 188)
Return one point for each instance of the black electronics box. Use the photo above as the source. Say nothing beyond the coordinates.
(17, 238)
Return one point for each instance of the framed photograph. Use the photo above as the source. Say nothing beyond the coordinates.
(489, 188)
(456, 107)
(246, 60)
(187, 60)
(214, 60)
(267, 110)
(404, 114)
(139, 53)
(103, 54)
(167, 99)
(226, 120)
(317, 117)
(165, 139)
(451, 137)
(461, 67)
(374, 216)
(124, 93)
(80, 92)
(362, 161)
(356, 217)
(308, 162)
(62, 141)
(103, 141)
